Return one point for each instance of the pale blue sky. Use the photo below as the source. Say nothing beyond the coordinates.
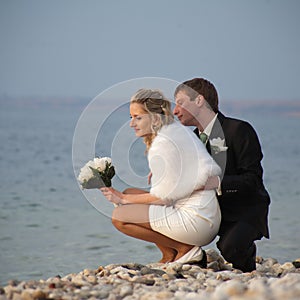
(248, 48)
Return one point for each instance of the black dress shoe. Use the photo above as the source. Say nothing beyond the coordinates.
(248, 264)
(202, 263)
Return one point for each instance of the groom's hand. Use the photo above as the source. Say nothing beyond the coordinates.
(213, 183)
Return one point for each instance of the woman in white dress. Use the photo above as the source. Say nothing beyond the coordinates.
(177, 214)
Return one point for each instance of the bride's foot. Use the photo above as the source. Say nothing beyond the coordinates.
(168, 256)
(196, 256)
(182, 251)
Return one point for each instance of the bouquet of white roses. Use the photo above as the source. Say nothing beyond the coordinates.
(96, 173)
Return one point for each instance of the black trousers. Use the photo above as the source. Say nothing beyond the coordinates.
(237, 246)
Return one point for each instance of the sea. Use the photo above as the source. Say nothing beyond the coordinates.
(49, 226)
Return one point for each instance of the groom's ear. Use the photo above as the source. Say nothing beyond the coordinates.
(199, 100)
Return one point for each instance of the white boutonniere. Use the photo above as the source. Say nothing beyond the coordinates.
(217, 145)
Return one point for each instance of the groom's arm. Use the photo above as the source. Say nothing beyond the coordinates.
(243, 175)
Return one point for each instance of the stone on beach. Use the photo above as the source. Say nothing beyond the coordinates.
(219, 281)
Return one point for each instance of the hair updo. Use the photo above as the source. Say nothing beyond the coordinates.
(159, 108)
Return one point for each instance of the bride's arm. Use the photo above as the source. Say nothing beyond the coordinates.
(145, 198)
(117, 197)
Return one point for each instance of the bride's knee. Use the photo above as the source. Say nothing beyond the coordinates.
(116, 219)
(117, 223)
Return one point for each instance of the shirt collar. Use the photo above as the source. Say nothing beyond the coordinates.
(207, 130)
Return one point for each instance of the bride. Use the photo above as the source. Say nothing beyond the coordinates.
(177, 214)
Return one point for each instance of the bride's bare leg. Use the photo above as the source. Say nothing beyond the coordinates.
(133, 220)
(168, 254)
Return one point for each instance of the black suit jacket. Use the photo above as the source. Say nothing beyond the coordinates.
(244, 197)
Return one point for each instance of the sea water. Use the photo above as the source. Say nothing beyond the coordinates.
(47, 225)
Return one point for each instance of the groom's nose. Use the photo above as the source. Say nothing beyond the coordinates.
(176, 110)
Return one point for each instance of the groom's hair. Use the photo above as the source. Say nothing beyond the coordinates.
(200, 86)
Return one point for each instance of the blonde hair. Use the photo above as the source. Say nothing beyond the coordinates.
(159, 108)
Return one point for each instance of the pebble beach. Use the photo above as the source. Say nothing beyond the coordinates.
(271, 280)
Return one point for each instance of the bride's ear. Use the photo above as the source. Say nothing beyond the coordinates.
(156, 120)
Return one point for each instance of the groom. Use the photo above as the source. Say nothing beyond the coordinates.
(234, 145)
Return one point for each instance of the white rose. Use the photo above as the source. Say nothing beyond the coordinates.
(90, 163)
(100, 163)
(85, 173)
(108, 159)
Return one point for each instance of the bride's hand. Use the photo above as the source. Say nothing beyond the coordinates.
(112, 195)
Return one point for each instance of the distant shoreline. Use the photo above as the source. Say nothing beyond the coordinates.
(285, 107)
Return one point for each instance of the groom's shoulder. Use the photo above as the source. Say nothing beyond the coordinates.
(234, 123)
(231, 120)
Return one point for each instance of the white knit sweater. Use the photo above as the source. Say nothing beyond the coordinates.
(179, 163)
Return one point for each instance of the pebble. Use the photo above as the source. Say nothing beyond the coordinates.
(220, 281)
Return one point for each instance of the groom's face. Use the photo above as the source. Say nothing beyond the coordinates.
(185, 109)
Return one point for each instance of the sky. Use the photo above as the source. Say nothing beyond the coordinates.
(248, 49)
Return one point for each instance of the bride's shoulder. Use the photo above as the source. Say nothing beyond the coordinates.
(173, 135)
(174, 129)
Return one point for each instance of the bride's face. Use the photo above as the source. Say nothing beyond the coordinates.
(140, 120)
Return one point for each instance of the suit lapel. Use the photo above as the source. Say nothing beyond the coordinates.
(217, 130)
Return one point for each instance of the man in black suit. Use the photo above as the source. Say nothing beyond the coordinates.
(234, 144)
